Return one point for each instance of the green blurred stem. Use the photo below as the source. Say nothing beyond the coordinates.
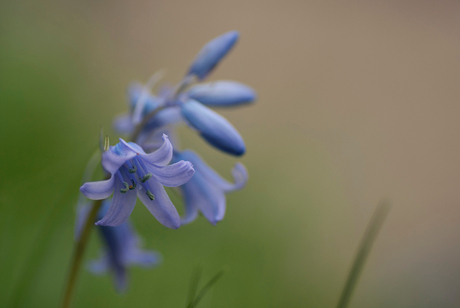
(205, 289)
(196, 276)
(363, 251)
(78, 254)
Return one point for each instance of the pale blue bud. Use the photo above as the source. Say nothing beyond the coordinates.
(222, 93)
(210, 55)
(213, 127)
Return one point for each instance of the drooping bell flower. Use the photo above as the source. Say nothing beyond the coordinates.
(211, 54)
(121, 249)
(213, 127)
(205, 192)
(133, 172)
(222, 93)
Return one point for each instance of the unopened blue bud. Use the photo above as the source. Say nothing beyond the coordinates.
(213, 127)
(210, 55)
(222, 93)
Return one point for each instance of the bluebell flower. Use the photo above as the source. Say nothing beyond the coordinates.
(213, 127)
(121, 249)
(133, 172)
(205, 192)
(222, 93)
(211, 54)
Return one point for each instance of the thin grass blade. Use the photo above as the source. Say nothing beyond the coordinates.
(205, 289)
(364, 249)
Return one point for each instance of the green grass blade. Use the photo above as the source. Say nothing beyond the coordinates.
(363, 251)
(194, 282)
(205, 289)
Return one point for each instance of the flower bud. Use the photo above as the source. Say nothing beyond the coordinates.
(213, 127)
(212, 53)
(222, 93)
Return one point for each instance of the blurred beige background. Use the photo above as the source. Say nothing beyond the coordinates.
(373, 88)
(358, 101)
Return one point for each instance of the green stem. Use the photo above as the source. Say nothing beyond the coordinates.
(78, 254)
(363, 251)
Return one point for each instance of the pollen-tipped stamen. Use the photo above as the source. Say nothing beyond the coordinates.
(141, 172)
(125, 190)
(131, 177)
(150, 195)
(132, 186)
(146, 177)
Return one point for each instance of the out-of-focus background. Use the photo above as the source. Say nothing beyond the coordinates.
(357, 101)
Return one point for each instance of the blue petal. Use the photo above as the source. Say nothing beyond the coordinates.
(210, 55)
(99, 266)
(155, 140)
(173, 175)
(239, 172)
(213, 128)
(105, 206)
(222, 93)
(191, 212)
(240, 176)
(115, 157)
(144, 258)
(120, 209)
(203, 192)
(130, 147)
(121, 280)
(162, 207)
(162, 156)
(206, 197)
(98, 190)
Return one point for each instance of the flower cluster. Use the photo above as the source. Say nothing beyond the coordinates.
(141, 168)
